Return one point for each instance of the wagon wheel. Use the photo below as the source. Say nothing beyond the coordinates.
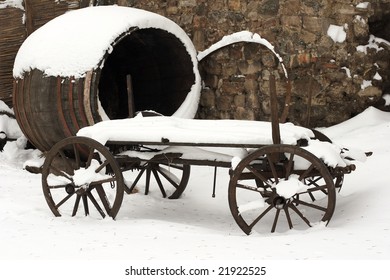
(339, 178)
(79, 169)
(168, 177)
(272, 187)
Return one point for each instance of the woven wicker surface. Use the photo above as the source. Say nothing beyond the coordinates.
(12, 34)
(16, 24)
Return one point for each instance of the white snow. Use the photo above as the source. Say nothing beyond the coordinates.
(256, 204)
(8, 125)
(373, 43)
(162, 129)
(328, 152)
(12, 3)
(288, 188)
(366, 84)
(198, 227)
(242, 36)
(377, 77)
(84, 176)
(347, 71)
(67, 46)
(363, 5)
(337, 33)
(359, 18)
(386, 97)
(178, 130)
(195, 227)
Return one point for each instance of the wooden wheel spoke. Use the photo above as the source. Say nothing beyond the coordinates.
(311, 196)
(313, 181)
(289, 166)
(57, 187)
(296, 210)
(85, 203)
(96, 204)
(65, 159)
(248, 188)
(314, 206)
(260, 190)
(306, 172)
(288, 217)
(273, 169)
(147, 185)
(169, 179)
(91, 152)
(275, 220)
(77, 156)
(136, 181)
(160, 185)
(259, 175)
(101, 166)
(76, 205)
(255, 221)
(103, 198)
(65, 199)
(322, 188)
(61, 173)
(99, 182)
(175, 166)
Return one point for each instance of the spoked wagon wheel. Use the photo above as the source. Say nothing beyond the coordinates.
(170, 178)
(272, 188)
(79, 170)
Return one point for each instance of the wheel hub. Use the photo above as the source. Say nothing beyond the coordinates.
(279, 202)
(69, 189)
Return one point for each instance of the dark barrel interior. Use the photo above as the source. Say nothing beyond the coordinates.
(160, 69)
(154, 62)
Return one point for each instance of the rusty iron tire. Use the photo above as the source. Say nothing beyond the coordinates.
(63, 192)
(161, 174)
(255, 203)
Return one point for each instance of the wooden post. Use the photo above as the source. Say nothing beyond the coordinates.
(287, 103)
(274, 111)
(130, 96)
(309, 97)
(28, 7)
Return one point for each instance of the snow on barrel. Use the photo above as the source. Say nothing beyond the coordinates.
(99, 63)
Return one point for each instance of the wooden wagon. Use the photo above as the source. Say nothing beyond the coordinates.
(278, 172)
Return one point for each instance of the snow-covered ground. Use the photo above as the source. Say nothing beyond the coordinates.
(197, 226)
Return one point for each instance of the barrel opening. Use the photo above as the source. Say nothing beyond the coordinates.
(148, 69)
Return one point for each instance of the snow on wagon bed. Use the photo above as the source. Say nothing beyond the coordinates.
(209, 133)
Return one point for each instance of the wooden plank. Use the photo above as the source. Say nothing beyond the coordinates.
(184, 144)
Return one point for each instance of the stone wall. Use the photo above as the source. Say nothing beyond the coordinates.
(332, 79)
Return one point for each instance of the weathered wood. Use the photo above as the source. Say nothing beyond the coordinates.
(274, 111)
(146, 69)
(49, 109)
(130, 96)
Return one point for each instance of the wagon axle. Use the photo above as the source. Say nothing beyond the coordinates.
(70, 189)
(279, 202)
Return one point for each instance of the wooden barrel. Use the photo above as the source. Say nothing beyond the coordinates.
(146, 69)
